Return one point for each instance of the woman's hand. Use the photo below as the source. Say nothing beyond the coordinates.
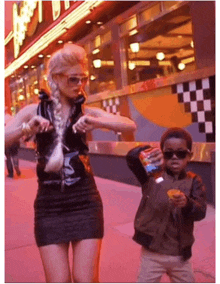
(85, 123)
(97, 118)
(38, 124)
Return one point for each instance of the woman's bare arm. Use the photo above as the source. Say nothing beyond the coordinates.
(13, 130)
(35, 123)
(98, 118)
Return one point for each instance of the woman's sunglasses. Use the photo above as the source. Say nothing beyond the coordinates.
(74, 80)
(181, 154)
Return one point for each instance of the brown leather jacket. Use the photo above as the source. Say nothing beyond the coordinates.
(154, 210)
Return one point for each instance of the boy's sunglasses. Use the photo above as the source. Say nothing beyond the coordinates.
(181, 154)
(74, 80)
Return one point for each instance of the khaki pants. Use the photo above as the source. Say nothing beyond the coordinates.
(154, 265)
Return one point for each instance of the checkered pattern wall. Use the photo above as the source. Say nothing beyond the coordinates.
(111, 105)
(198, 97)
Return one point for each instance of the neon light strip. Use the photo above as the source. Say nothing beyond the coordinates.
(78, 14)
(9, 37)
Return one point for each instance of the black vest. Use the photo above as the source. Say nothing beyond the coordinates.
(75, 149)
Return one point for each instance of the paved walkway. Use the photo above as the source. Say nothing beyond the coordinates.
(119, 255)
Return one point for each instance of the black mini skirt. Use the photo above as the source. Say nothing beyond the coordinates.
(74, 214)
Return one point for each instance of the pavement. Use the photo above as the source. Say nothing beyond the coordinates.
(120, 255)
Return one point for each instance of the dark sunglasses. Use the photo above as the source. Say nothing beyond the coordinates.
(181, 154)
(74, 80)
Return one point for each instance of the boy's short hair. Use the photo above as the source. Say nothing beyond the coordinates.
(176, 132)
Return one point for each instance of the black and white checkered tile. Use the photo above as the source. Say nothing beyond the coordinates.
(198, 97)
(111, 105)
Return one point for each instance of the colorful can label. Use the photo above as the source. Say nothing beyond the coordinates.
(149, 168)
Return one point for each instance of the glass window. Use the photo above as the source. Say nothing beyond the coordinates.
(128, 25)
(162, 47)
(107, 37)
(14, 95)
(169, 4)
(24, 90)
(97, 41)
(42, 75)
(18, 94)
(33, 86)
(87, 47)
(150, 13)
(101, 65)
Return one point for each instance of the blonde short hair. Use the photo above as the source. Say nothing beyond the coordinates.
(66, 57)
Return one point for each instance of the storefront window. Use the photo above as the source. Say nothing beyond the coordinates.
(42, 75)
(32, 86)
(150, 13)
(24, 90)
(14, 95)
(162, 46)
(18, 95)
(128, 25)
(169, 4)
(154, 42)
(101, 64)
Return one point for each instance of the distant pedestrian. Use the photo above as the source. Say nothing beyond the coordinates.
(68, 206)
(11, 152)
(164, 223)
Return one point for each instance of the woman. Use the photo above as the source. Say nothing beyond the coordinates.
(68, 207)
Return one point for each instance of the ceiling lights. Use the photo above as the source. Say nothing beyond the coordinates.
(181, 66)
(164, 63)
(21, 97)
(160, 55)
(188, 60)
(135, 47)
(92, 77)
(131, 65)
(95, 51)
(133, 32)
(97, 63)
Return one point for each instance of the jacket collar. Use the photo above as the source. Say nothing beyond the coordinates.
(182, 174)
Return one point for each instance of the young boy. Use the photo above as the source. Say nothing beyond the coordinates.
(164, 226)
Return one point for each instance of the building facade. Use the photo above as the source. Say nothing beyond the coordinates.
(153, 61)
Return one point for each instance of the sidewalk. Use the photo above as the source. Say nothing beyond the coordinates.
(119, 255)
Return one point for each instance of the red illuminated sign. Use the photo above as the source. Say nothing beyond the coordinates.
(33, 17)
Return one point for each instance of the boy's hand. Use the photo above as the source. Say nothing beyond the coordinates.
(156, 157)
(179, 200)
